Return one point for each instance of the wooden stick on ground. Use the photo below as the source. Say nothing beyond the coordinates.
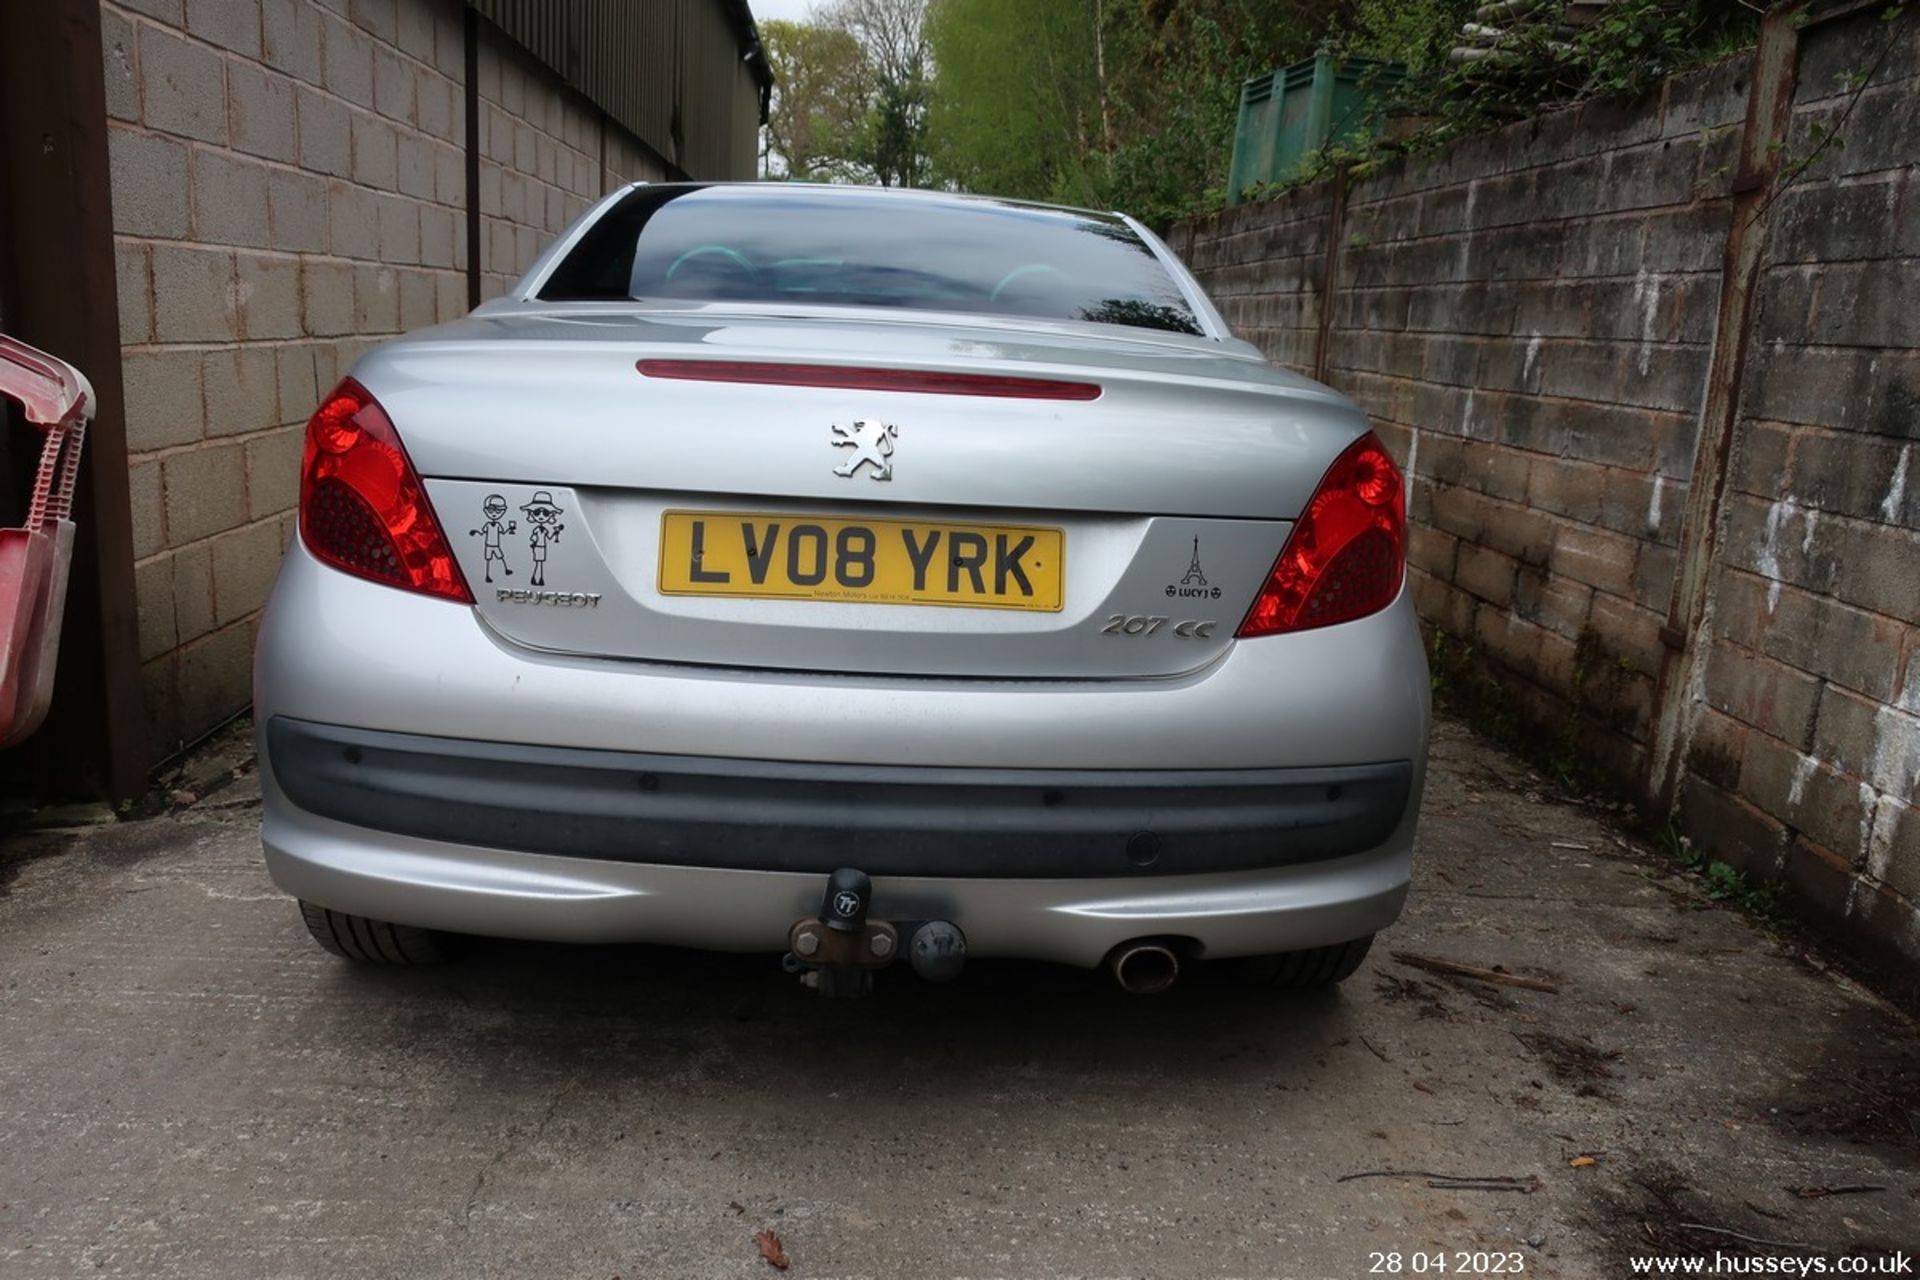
(1453, 968)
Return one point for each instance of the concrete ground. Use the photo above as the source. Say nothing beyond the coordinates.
(189, 1087)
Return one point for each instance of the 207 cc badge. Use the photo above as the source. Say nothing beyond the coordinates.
(872, 444)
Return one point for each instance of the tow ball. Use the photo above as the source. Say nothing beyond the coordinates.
(837, 952)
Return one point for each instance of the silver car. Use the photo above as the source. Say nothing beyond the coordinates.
(867, 577)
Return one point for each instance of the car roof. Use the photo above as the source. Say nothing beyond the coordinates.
(864, 191)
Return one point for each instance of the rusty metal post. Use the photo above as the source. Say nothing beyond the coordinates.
(1330, 280)
(1686, 634)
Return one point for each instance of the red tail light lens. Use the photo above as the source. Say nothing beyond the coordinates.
(362, 507)
(1347, 553)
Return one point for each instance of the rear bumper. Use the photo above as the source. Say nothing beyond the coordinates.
(507, 893)
(410, 672)
(768, 815)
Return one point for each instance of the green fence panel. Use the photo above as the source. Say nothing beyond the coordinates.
(1288, 115)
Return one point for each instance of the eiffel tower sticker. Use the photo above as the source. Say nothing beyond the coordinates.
(1194, 578)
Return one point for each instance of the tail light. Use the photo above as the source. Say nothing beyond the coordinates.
(866, 378)
(362, 507)
(1347, 553)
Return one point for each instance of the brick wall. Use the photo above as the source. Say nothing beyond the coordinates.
(289, 187)
(1807, 747)
(1265, 267)
(1529, 318)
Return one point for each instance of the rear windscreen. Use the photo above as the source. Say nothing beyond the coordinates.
(861, 248)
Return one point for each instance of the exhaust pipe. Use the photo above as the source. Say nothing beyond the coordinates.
(1144, 968)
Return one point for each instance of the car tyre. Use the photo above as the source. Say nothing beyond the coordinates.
(1316, 967)
(365, 941)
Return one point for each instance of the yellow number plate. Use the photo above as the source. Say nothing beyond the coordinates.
(980, 566)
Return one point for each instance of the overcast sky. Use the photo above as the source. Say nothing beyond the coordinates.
(791, 10)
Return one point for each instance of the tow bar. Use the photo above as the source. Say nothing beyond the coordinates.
(837, 952)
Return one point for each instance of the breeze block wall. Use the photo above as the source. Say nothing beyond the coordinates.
(1529, 317)
(1265, 268)
(1806, 750)
(289, 188)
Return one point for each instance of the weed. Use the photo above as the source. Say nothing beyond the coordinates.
(1723, 881)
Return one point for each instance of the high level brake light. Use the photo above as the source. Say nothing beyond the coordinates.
(362, 507)
(1347, 553)
(867, 378)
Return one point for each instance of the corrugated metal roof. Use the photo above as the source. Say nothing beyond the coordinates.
(687, 77)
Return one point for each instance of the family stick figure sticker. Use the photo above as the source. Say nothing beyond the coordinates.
(493, 532)
(541, 515)
(544, 530)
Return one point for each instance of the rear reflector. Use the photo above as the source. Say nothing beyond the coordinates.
(362, 507)
(1346, 555)
(859, 378)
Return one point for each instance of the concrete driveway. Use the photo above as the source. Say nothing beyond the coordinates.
(188, 1087)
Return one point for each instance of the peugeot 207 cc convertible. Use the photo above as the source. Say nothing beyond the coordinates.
(870, 577)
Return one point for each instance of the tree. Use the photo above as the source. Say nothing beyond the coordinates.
(894, 144)
(893, 34)
(1121, 103)
(820, 101)
(1183, 64)
(1019, 103)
